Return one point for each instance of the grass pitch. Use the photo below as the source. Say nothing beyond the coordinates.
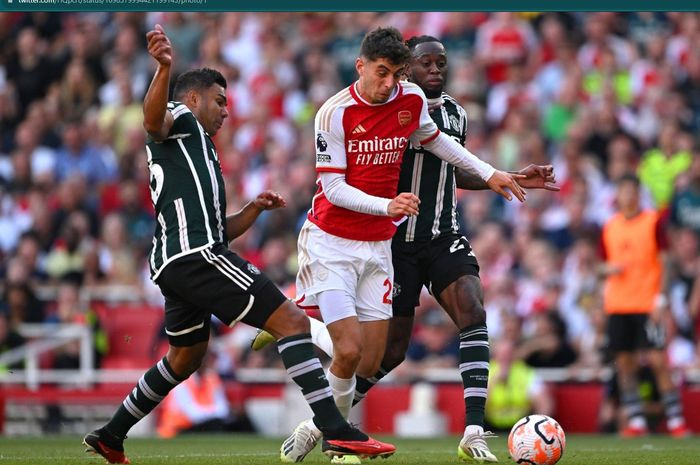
(254, 450)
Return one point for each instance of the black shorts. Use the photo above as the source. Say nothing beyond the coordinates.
(214, 281)
(634, 331)
(435, 264)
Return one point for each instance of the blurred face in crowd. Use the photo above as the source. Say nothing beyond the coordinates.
(628, 196)
(209, 107)
(378, 78)
(428, 68)
(73, 137)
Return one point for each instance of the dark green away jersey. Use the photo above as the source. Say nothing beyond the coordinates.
(187, 189)
(432, 180)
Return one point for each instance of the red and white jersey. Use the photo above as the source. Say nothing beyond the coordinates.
(366, 142)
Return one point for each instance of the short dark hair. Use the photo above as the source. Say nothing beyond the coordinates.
(628, 178)
(385, 42)
(197, 79)
(415, 40)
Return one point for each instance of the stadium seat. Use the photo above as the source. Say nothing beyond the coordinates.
(132, 332)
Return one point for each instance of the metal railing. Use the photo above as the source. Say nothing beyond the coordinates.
(47, 338)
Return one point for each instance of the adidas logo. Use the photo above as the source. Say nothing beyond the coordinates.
(359, 129)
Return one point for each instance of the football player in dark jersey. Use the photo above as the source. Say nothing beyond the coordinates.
(198, 274)
(429, 250)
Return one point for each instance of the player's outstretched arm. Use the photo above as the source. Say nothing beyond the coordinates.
(538, 177)
(157, 121)
(449, 150)
(239, 222)
(534, 177)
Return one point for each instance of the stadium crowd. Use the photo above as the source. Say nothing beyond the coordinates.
(597, 95)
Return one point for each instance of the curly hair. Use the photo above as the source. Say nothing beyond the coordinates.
(385, 42)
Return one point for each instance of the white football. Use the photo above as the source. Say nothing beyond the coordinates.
(537, 440)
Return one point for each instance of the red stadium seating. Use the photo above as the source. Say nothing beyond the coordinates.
(132, 332)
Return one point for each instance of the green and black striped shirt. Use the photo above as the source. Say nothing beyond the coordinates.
(432, 180)
(187, 189)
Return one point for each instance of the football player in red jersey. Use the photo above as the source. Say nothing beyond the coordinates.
(345, 265)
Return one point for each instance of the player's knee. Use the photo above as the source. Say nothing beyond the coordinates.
(347, 353)
(287, 320)
(471, 310)
(298, 321)
(477, 314)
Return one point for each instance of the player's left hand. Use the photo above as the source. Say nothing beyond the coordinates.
(269, 200)
(538, 177)
(502, 182)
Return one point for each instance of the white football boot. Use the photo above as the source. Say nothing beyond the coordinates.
(473, 446)
(302, 441)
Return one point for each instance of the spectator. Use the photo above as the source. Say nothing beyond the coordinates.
(547, 346)
(434, 345)
(685, 204)
(29, 69)
(70, 309)
(514, 389)
(77, 156)
(69, 253)
(9, 339)
(117, 261)
(77, 90)
(41, 158)
(661, 165)
(501, 41)
(200, 404)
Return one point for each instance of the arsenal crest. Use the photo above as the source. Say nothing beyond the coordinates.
(405, 117)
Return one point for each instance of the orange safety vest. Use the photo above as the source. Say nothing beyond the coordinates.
(202, 389)
(632, 244)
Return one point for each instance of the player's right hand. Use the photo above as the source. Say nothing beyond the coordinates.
(502, 182)
(404, 204)
(159, 46)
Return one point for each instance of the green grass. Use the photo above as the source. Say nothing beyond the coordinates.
(254, 450)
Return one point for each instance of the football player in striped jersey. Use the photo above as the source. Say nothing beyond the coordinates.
(198, 274)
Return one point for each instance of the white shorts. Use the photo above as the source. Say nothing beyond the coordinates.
(362, 269)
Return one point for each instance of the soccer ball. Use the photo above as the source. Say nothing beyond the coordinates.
(537, 440)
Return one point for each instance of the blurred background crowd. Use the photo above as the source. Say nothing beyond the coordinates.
(595, 94)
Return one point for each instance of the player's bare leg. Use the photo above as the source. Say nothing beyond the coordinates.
(154, 385)
(463, 301)
(399, 336)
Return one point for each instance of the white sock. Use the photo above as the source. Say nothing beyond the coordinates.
(473, 429)
(675, 422)
(320, 336)
(638, 422)
(343, 392)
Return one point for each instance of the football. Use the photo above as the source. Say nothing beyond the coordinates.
(537, 440)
